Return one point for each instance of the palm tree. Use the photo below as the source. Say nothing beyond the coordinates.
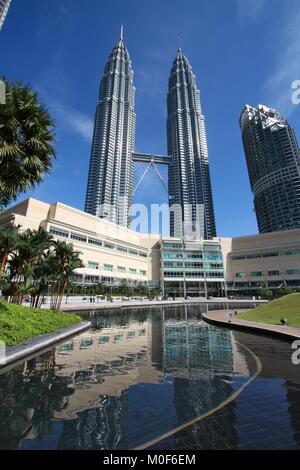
(44, 273)
(3, 281)
(36, 262)
(9, 242)
(33, 246)
(141, 289)
(154, 292)
(30, 250)
(124, 288)
(26, 138)
(66, 260)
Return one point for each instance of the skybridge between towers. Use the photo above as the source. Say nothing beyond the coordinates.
(139, 157)
(152, 160)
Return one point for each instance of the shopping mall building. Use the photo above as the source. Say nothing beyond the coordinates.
(216, 267)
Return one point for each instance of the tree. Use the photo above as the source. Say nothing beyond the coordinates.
(36, 263)
(3, 281)
(65, 261)
(100, 289)
(142, 290)
(283, 290)
(265, 292)
(9, 242)
(155, 292)
(124, 289)
(32, 247)
(43, 274)
(26, 141)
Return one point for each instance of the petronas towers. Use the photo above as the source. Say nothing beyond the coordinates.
(110, 180)
(189, 177)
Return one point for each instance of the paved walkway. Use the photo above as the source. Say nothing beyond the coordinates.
(103, 304)
(227, 318)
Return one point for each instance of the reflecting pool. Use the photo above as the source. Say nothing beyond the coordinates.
(153, 378)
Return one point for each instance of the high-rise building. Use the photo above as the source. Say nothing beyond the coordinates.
(189, 176)
(110, 180)
(4, 6)
(273, 160)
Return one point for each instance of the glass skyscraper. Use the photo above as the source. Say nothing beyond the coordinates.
(189, 176)
(110, 180)
(273, 160)
(4, 6)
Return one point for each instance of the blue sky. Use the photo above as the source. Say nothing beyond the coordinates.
(242, 51)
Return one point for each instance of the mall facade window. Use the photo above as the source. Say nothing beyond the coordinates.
(93, 265)
(192, 268)
(108, 267)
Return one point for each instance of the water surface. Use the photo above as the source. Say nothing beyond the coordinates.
(140, 377)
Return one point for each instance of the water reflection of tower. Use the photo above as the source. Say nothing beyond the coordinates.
(156, 340)
(189, 344)
(201, 359)
(116, 357)
(29, 395)
(98, 428)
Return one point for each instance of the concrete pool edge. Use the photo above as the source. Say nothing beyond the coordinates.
(86, 307)
(40, 343)
(222, 318)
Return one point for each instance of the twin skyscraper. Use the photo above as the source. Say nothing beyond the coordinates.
(110, 180)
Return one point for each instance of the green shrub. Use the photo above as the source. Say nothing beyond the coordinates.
(18, 323)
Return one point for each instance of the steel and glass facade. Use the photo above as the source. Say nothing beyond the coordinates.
(110, 179)
(273, 160)
(192, 268)
(189, 177)
(4, 6)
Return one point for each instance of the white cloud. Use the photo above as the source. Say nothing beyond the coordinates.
(74, 121)
(286, 48)
(79, 123)
(279, 85)
(248, 10)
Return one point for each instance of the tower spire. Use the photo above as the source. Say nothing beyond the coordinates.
(190, 189)
(110, 180)
(121, 33)
(179, 43)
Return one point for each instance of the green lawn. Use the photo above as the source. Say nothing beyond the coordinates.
(287, 307)
(18, 323)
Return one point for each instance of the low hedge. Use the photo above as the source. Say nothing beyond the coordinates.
(18, 323)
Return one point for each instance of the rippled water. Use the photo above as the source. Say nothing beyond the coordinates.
(135, 378)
